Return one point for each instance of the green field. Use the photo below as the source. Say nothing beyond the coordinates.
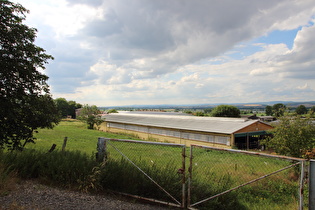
(79, 137)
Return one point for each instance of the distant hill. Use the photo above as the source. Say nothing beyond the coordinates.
(257, 105)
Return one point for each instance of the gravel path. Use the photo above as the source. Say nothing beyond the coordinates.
(32, 195)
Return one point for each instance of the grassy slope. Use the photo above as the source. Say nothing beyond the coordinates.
(79, 137)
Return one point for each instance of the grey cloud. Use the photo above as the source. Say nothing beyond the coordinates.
(62, 85)
(93, 3)
(155, 28)
(68, 70)
(110, 25)
(168, 34)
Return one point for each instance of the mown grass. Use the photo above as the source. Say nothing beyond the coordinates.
(213, 171)
(79, 137)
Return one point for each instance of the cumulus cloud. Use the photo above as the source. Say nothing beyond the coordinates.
(168, 35)
(181, 51)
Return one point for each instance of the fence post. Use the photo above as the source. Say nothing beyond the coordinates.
(64, 144)
(190, 176)
(301, 188)
(312, 185)
(101, 149)
(53, 147)
(184, 204)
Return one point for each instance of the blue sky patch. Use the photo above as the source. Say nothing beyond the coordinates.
(277, 37)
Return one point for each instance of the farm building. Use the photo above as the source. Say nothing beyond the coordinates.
(208, 131)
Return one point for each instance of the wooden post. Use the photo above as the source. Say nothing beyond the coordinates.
(52, 148)
(64, 144)
(101, 149)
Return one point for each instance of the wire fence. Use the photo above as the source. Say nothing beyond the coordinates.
(247, 180)
(150, 170)
(204, 177)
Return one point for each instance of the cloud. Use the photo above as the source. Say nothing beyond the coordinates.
(168, 35)
(93, 3)
(175, 51)
(297, 63)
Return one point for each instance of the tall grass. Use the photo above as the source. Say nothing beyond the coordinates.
(8, 179)
(62, 168)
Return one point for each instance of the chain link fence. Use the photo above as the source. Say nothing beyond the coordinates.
(202, 177)
(149, 170)
(233, 179)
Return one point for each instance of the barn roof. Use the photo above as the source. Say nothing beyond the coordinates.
(205, 124)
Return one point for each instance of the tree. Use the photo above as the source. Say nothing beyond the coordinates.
(312, 110)
(72, 107)
(66, 108)
(25, 100)
(278, 109)
(112, 111)
(207, 110)
(225, 111)
(292, 136)
(199, 113)
(90, 115)
(269, 110)
(301, 110)
(62, 106)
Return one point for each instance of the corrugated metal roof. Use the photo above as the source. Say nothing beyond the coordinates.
(205, 124)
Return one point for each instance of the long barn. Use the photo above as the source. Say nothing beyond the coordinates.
(208, 131)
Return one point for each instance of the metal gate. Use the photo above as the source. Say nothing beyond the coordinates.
(226, 170)
(147, 159)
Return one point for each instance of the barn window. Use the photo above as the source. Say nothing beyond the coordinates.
(222, 139)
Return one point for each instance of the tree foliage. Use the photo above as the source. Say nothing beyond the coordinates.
(112, 111)
(278, 109)
(199, 113)
(66, 108)
(207, 110)
(293, 136)
(269, 111)
(25, 100)
(225, 111)
(90, 115)
(301, 110)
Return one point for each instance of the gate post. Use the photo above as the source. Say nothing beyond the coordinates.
(301, 188)
(190, 176)
(184, 204)
(101, 149)
(312, 185)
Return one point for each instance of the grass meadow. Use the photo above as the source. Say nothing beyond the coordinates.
(79, 137)
(212, 171)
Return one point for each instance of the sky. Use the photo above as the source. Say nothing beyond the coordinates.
(140, 52)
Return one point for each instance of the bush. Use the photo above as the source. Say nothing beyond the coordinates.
(225, 111)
